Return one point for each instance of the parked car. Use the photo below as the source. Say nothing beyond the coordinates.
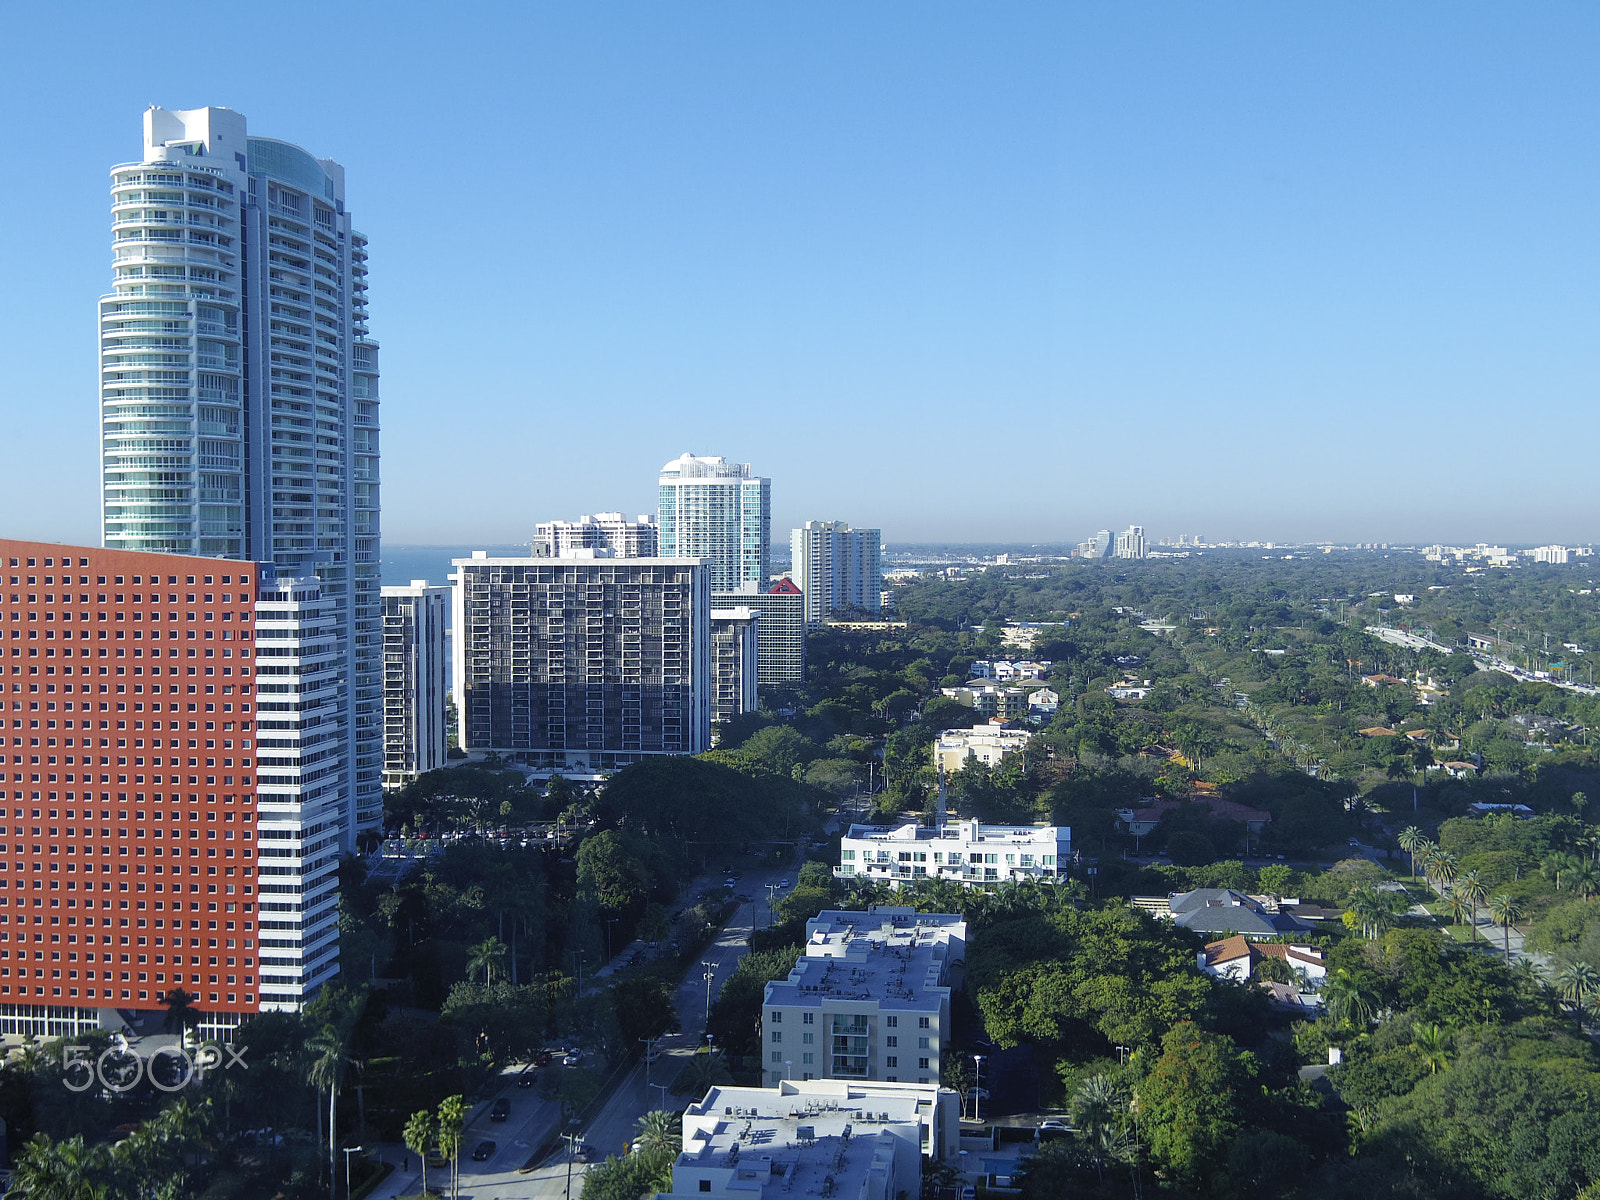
(483, 1151)
(500, 1110)
(573, 1057)
(543, 1058)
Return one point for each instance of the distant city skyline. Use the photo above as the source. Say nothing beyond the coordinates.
(1270, 273)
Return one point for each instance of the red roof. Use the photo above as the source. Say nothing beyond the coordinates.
(784, 587)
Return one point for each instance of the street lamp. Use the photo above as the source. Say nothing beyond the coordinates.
(649, 1053)
(348, 1151)
(977, 1084)
(709, 976)
(573, 1140)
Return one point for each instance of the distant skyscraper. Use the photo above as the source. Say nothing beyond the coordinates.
(239, 387)
(1130, 542)
(734, 658)
(584, 663)
(1102, 544)
(718, 512)
(625, 539)
(836, 567)
(414, 681)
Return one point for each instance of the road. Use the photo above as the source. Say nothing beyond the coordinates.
(534, 1121)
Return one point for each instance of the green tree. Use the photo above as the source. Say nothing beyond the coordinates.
(1347, 1001)
(182, 1015)
(660, 1130)
(418, 1137)
(1100, 1113)
(611, 872)
(1430, 1042)
(65, 1170)
(1469, 885)
(1189, 1104)
(1411, 840)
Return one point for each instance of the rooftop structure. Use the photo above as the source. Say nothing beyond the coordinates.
(1236, 957)
(607, 530)
(856, 1141)
(869, 999)
(720, 513)
(959, 851)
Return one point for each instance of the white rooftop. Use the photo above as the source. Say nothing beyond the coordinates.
(823, 1137)
(894, 956)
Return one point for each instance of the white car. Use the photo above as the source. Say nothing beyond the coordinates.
(573, 1057)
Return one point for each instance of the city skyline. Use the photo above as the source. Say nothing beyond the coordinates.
(1318, 264)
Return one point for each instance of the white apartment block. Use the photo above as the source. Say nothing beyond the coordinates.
(584, 663)
(301, 788)
(1130, 542)
(720, 513)
(607, 530)
(734, 658)
(987, 743)
(239, 384)
(869, 999)
(823, 1137)
(836, 567)
(962, 852)
(415, 679)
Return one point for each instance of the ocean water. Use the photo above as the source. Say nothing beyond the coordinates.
(402, 564)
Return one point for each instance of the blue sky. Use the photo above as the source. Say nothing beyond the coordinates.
(997, 272)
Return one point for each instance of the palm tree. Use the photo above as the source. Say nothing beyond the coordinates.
(65, 1170)
(181, 1016)
(330, 1061)
(1429, 1041)
(1578, 982)
(1097, 1109)
(1347, 1004)
(1410, 839)
(1470, 887)
(487, 956)
(452, 1124)
(1372, 911)
(1504, 911)
(1458, 906)
(660, 1130)
(418, 1134)
(1441, 868)
(1584, 880)
(1557, 865)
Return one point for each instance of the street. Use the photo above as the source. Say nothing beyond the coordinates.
(534, 1121)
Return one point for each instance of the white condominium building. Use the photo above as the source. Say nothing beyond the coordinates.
(607, 530)
(720, 513)
(239, 385)
(959, 851)
(987, 743)
(415, 679)
(837, 567)
(1130, 542)
(823, 1137)
(869, 999)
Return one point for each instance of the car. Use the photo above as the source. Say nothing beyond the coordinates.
(501, 1109)
(572, 1058)
(1053, 1123)
(1355, 841)
(483, 1151)
(543, 1058)
(526, 1079)
(783, 883)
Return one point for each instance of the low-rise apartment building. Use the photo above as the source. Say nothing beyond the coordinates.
(987, 743)
(959, 851)
(869, 999)
(860, 1141)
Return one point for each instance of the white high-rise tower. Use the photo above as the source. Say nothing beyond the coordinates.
(239, 386)
(717, 511)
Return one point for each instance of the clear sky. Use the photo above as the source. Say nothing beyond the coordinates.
(964, 272)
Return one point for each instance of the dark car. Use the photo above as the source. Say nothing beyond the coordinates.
(542, 1059)
(501, 1109)
(526, 1079)
(483, 1152)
